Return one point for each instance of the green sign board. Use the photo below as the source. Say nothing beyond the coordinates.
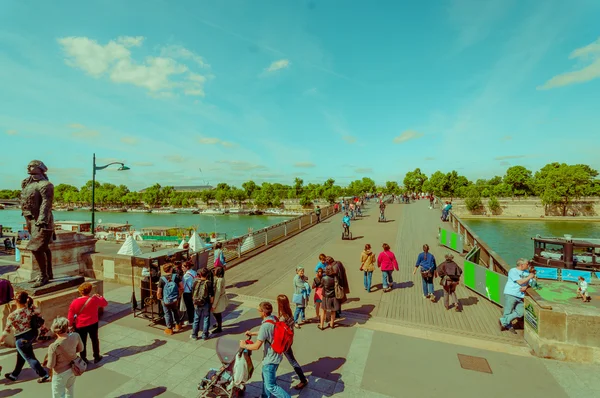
(451, 240)
(531, 318)
(487, 283)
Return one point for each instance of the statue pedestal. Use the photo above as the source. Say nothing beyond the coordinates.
(71, 255)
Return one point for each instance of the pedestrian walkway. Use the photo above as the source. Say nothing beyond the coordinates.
(349, 361)
(409, 226)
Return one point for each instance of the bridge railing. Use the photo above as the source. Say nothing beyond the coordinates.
(243, 246)
(488, 258)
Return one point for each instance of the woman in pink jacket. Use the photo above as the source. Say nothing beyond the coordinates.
(387, 262)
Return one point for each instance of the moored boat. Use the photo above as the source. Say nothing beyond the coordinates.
(567, 252)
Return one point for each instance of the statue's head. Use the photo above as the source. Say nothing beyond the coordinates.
(36, 167)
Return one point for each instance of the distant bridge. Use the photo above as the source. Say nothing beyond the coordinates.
(10, 202)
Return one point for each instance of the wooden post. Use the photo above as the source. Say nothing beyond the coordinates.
(285, 229)
(266, 238)
(300, 223)
(239, 249)
(491, 262)
(311, 219)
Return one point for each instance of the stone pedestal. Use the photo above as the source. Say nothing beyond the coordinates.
(71, 253)
(51, 305)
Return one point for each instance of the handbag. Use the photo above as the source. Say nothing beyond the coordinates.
(298, 299)
(339, 290)
(78, 365)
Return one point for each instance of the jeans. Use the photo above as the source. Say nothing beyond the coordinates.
(513, 309)
(170, 312)
(270, 387)
(63, 384)
(299, 313)
(204, 314)
(367, 280)
(189, 307)
(92, 331)
(427, 286)
(444, 215)
(24, 344)
(388, 281)
(289, 354)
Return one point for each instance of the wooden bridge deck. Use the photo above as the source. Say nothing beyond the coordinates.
(409, 226)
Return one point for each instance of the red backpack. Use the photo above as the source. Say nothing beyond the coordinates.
(283, 336)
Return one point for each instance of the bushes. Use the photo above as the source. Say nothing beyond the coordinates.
(494, 205)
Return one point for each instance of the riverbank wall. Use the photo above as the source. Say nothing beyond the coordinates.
(530, 208)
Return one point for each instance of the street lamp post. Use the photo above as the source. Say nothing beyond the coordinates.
(94, 168)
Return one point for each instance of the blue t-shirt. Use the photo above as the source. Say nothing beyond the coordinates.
(426, 264)
(512, 287)
(320, 265)
(188, 280)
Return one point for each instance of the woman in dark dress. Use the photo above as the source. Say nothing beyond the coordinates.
(330, 303)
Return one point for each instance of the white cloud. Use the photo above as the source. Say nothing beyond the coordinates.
(407, 136)
(215, 141)
(161, 76)
(81, 131)
(305, 165)
(129, 140)
(241, 165)
(12, 132)
(280, 64)
(589, 53)
(180, 52)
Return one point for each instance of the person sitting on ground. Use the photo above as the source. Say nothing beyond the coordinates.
(271, 359)
(450, 273)
(514, 293)
(582, 289)
(60, 354)
(346, 223)
(170, 286)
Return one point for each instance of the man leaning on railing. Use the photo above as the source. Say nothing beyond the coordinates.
(514, 293)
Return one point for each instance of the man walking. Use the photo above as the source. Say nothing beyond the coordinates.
(271, 359)
(318, 213)
(514, 292)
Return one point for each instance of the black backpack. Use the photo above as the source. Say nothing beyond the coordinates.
(201, 292)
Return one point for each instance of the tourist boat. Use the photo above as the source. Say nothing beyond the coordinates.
(164, 211)
(140, 211)
(567, 252)
(74, 226)
(112, 231)
(213, 211)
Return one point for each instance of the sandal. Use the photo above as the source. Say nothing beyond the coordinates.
(300, 385)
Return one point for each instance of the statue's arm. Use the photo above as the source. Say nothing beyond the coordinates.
(47, 193)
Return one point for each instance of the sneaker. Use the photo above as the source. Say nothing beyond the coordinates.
(98, 359)
(502, 327)
(512, 330)
(10, 377)
(168, 331)
(432, 298)
(192, 337)
(43, 379)
(217, 330)
(186, 323)
(177, 328)
(300, 385)
(297, 326)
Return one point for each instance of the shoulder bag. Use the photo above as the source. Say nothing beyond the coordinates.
(78, 365)
(339, 290)
(79, 312)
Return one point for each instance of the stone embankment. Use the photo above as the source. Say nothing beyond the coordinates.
(585, 209)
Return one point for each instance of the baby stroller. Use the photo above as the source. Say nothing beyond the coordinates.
(237, 369)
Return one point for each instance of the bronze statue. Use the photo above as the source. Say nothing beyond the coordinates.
(37, 195)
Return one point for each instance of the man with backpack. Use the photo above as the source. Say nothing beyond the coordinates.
(202, 296)
(277, 338)
(170, 287)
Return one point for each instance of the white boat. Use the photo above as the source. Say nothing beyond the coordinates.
(140, 211)
(213, 211)
(164, 211)
(235, 211)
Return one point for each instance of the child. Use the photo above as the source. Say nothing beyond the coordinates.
(582, 289)
(318, 288)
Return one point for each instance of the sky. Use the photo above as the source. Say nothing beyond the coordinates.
(201, 92)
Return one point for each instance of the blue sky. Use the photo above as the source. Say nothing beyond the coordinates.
(193, 92)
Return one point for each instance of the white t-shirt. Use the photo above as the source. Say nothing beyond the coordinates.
(583, 286)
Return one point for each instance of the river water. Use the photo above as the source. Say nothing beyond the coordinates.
(232, 225)
(511, 239)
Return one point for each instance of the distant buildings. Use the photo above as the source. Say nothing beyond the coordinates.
(188, 188)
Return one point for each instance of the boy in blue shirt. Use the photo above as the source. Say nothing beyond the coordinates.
(346, 223)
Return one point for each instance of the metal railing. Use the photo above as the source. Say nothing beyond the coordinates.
(243, 246)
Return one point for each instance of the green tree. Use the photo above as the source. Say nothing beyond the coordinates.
(207, 196)
(250, 187)
(473, 200)
(152, 195)
(414, 180)
(298, 186)
(305, 201)
(519, 179)
(221, 196)
(239, 195)
(494, 205)
(391, 188)
(564, 183)
(436, 184)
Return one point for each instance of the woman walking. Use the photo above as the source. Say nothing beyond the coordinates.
(367, 265)
(285, 315)
(428, 269)
(60, 354)
(450, 273)
(221, 301)
(330, 304)
(19, 322)
(83, 316)
(318, 288)
(388, 263)
(300, 296)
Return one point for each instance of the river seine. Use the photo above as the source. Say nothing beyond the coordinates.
(512, 239)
